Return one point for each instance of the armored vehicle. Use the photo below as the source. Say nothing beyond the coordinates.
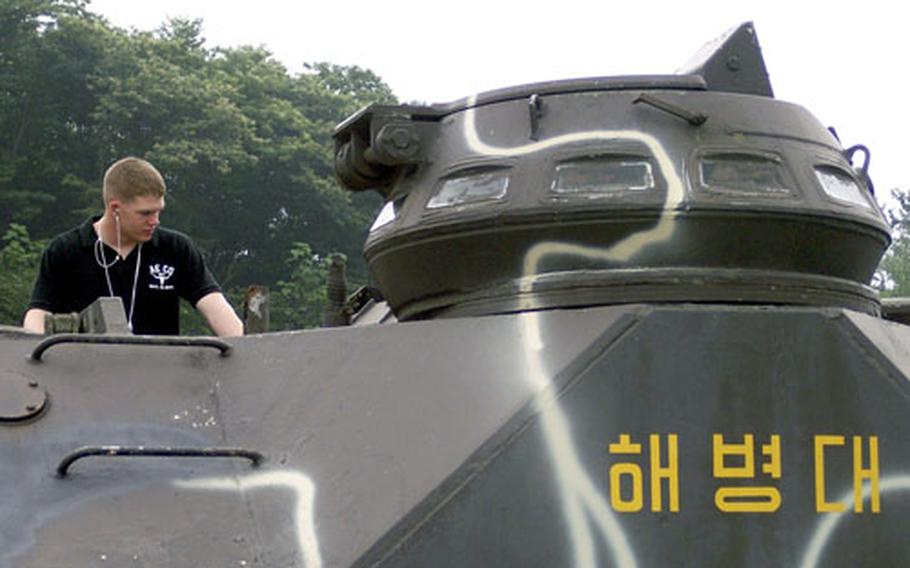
(621, 321)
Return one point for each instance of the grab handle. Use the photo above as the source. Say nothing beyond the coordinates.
(255, 457)
(86, 338)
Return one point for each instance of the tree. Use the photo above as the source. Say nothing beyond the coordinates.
(299, 299)
(245, 147)
(894, 271)
(46, 47)
(19, 258)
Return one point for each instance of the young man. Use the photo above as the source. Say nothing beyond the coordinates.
(125, 253)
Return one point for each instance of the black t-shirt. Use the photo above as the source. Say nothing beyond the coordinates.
(70, 277)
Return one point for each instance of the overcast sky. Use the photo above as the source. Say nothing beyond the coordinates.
(848, 65)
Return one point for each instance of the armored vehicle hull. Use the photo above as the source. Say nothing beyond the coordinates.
(612, 436)
(625, 322)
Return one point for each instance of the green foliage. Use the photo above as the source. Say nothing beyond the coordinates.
(19, 258)
(298, 300)
(47, 51)
(245, 147)
(352, 82)
(894, 271)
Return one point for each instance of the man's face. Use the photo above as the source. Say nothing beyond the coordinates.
(139, 217)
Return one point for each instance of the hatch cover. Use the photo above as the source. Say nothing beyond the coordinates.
(21, 397)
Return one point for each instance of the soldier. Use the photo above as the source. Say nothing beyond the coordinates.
(125, 253)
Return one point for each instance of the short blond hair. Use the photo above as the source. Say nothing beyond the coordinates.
(130, 178)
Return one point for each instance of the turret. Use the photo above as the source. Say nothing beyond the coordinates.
(693, 187)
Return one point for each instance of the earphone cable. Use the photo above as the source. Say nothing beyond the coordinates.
(102, 262)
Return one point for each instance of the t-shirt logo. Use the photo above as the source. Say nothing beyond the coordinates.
(161, 273)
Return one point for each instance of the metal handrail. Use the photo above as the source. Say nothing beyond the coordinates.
(255, 457)
(86, 338)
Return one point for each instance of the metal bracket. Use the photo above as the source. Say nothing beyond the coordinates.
(535, 113)
(693, 118)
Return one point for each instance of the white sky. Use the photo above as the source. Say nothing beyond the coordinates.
(848, 64)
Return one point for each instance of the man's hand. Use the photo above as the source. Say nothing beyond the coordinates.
(34, 320)
(219, 314)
